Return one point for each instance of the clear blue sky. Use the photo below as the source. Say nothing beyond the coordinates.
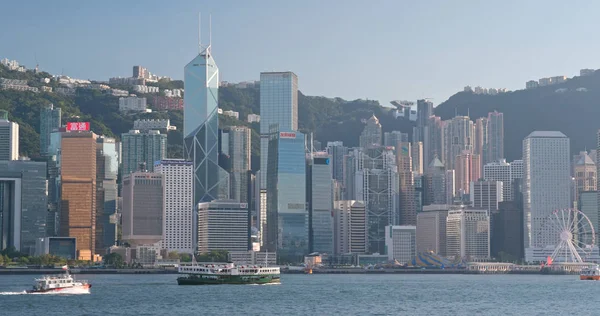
(381, 50)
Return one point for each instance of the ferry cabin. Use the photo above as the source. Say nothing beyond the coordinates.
(243, 270)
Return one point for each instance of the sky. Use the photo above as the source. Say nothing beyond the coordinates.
(379, 50)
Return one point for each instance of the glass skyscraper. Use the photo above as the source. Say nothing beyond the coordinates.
(321, 203)
(109, 149)
(278, 105)
(287, 216)
(201, 127)
(142, 147)
(49, 121)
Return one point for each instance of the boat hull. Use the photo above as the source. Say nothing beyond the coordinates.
(227, 279)
(62, 289)
(589, 277)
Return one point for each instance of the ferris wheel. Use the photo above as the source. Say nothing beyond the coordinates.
(571, 233)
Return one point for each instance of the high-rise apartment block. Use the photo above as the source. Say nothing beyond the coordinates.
(9, 138)
(495, 133)
(278, 105)
(546, 186)
(142, 148)
(223, 225)
(143, 208)
(407, 214)
(468, 169)
(78, 190)
(178, 225)
(337, 151)
(394, 137)
(468, 234)
(50, 120)
(350, 226)
(458, 138)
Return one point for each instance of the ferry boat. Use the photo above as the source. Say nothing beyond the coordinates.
(59, 283)
(228, 273)
(591, 273)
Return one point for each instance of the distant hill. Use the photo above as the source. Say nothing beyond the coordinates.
(575, 113)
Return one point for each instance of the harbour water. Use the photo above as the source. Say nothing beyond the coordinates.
(323, 294)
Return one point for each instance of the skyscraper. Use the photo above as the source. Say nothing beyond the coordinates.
(109, 150)
(142, 148)
(422, 132)
(486, 195)
(400, 242)
(433, 145)
(201, 127)
(278, 105)
(143, 208)
(178, 224)
(468, 234)
(9, 138)
(585, 175)
(287, 216)
(239, 152)
(480, 146)
(50, 119)
(350, 227)
(392, 138)
(337, 151)
(546, 185)
(223, 225)
(371, 134)
(506, 172)
(78, 191)
(459, 136)
(377, 185)
(495, 136)
(23, 204)
(321, 203)
(416, 154)
(431, 229)
(468, 169)
(407, 207)
(435, 189)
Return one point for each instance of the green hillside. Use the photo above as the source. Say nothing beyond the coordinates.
(575, 113)
(329, 119)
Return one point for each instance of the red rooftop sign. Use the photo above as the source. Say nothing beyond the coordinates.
(78, 126)
(287, 135)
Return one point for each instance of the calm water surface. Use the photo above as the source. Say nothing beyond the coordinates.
(314, 295)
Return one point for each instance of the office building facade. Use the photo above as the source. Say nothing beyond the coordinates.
(506, 173)
(278, 105)
(240, 161)
(9, 138)
(201, 127)
(350, 227)
(468, 234)
(287, 214)
(371, 135)
(321, 203)
(400, 242)
(431, 229)
(143, 208)
(223, 225)
(546, 185)
(178, 225)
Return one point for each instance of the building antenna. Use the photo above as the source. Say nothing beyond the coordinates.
(209, 30)
(199, 33)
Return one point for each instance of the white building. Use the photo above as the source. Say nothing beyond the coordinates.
(253, 118)
(400, 242)
(145, 89)
(546, 185)
(431, 229)
(350, 227)
(468, 234)
(119, 93)
(223, 225)
(153, 124)
(132, 104)
(232, 114)
(505, 172)
(9, 138)
(175, 93)
(253, 258)
(178, 226)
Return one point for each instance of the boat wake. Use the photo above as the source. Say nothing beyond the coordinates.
(63, 292)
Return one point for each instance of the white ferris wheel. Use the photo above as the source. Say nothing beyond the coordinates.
(570, 232)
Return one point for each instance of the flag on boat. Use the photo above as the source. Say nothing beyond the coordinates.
(65, 267)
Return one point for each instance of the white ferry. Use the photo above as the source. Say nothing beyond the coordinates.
(227, 273)
(591, 273)
(59, 283)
